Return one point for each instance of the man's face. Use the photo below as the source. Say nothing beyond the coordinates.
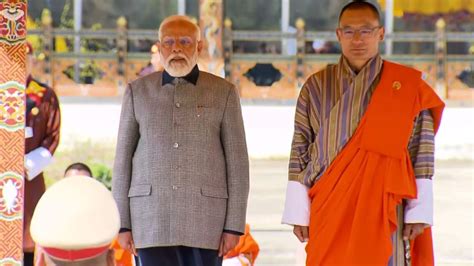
(359, 34)
(179, 48)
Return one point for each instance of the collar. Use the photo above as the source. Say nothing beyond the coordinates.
(373, 67)
(191, 77)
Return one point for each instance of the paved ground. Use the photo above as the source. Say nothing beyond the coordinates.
(453, 231)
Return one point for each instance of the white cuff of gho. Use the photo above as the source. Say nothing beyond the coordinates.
(420, 210)
(36, 161)
(297, 204)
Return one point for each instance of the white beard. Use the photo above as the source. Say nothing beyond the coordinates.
(180, 69)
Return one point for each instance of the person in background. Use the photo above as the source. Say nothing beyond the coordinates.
(120, 256)
(154, 64)
(76, 169)
(42, 130)
(245, 253)
(73, 229)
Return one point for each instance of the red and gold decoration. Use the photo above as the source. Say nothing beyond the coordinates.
(12, 123)
(12, 112)
(12, 21)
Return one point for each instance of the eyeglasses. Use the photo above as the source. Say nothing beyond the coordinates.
(169, 42)
(364, 33)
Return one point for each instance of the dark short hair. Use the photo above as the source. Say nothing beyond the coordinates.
(360, 4)
(79, 167)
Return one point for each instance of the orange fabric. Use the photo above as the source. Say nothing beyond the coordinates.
(247, 246)
(422, 249)
(122, 257)
(353, 208)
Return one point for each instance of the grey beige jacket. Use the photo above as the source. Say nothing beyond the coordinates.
(181, 172)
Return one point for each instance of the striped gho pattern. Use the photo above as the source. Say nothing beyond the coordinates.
(328, 112)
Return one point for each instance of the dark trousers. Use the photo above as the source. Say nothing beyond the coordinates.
(28, 258)
(179, 256)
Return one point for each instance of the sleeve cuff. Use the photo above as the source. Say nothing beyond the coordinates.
(233, 232)
(123, 230)
(36, 161)
(420, 210)
(28, 132)
(297, 204)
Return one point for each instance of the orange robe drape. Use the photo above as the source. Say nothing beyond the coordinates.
(247, 246)
(122, 257)
(353, 204)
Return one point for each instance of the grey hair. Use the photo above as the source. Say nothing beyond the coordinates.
(179, 18)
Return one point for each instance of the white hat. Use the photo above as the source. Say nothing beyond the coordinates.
(76, 219)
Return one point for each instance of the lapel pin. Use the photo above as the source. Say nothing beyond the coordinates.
(396, 85)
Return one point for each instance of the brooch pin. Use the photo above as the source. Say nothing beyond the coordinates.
(396, 85)
(35, 111)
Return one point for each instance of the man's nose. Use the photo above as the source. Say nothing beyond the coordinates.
(357, 37)
(177, 47)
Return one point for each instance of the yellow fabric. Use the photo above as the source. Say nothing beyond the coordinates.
(429, 7)
(61, 45)
(34, 40)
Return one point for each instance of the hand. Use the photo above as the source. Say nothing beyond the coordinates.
(411, 231)
(301, 232)
(125, 240)
(228, 242)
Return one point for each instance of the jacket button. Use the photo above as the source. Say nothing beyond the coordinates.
(175, 187)
(177, 105)
(175, 145)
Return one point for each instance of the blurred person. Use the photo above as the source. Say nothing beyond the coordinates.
(42, 130)
(363, 144)
(181, 175)
(245, 253)
(154, 64)
(76, 169)
(324, 47)
(74, 230)
(120, 256)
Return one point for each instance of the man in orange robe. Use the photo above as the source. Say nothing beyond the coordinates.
(363, 144)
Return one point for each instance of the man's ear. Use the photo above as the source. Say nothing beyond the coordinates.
(158, 46)
(382, 34)
(338, 34)
(199, 47)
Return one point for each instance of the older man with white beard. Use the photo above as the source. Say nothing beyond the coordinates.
(181, 174)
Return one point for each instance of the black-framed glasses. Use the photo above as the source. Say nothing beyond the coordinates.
(365, 32)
